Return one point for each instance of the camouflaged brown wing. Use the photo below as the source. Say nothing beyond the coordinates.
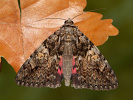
(92, 69)
(40, 70)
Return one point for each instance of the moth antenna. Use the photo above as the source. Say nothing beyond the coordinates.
(56, 18)
(78, 15)
(86, 12)
(49, 18)
(73, 17)
(97, 9)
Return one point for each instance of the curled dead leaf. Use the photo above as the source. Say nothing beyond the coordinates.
(96, 29)
(19, 40)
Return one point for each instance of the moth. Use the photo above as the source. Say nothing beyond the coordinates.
(70, 56)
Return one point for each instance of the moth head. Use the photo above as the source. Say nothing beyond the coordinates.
(68, 22)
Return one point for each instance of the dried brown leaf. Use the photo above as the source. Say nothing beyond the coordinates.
(19, 40)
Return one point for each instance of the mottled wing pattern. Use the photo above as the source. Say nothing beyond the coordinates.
(92, 69)
(41, 69)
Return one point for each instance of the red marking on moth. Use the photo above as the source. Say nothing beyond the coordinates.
(73, 70)
(60, 64)
(73, 61)
(59, 71)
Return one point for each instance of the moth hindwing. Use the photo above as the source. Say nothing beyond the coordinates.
(67, 54)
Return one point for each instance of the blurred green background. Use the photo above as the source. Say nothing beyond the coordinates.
(117, 50)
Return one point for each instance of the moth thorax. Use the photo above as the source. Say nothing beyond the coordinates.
(68, 37)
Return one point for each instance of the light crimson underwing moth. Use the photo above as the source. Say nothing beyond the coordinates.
(67, 55)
